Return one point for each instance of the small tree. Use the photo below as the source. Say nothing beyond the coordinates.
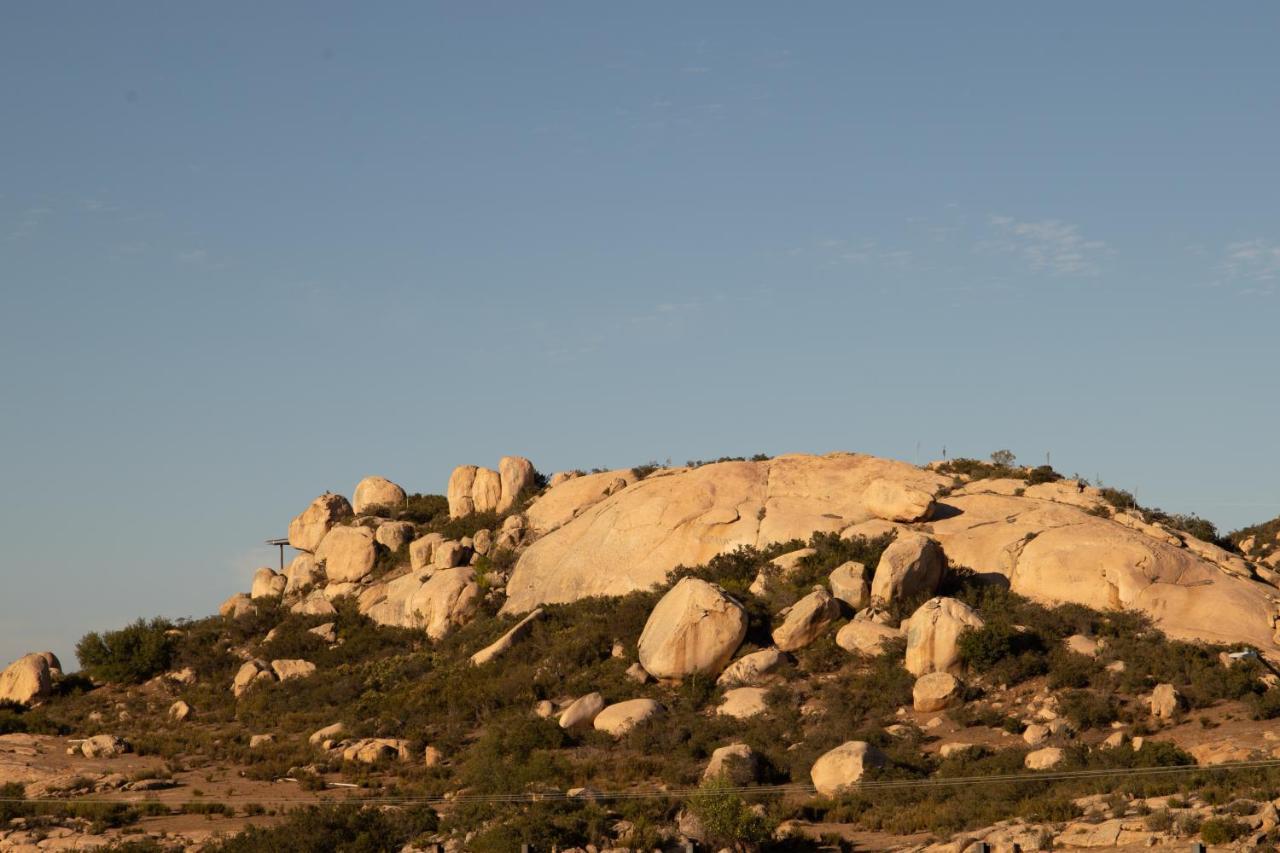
(131, 655)
(1004, 458)
(726, 818)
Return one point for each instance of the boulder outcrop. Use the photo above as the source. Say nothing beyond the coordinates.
(308, 529)
(932, 635)
(851, 583)
(738, 764)
(895, 500)
(582, 711)
(865, 637)
(695, 628)
(911, 567)
(27, 680)
(347, 554)
(622, 717)
(750, 669)
(1054, 553)
(474, 489)
(376, 492)
(806, 620)
(844, 766)
(936, 691)
(632, 538)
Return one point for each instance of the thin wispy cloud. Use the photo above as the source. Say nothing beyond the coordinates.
(1047, 245)
(1252, 260)
(834, 251)
(29, 222)
(193, 256)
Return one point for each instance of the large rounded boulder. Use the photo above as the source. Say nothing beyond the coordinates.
(933, 635)
(911, 567)
(516, 474)
(695, 628)
(844, 766)
(309, 528)
(374, 492)
(348, 554)
(896, 500)
(27, 680)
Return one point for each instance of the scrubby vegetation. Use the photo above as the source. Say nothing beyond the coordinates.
(388, 682)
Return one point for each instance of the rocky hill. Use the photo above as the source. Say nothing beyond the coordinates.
(783, 652)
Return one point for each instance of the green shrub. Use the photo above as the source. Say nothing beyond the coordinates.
(726, 818)
(1087, 709)
(1222, 830)
(334, 828)
(131, 655)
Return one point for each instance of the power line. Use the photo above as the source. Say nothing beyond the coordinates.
(686, 792)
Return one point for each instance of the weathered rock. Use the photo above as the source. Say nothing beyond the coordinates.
(949, 750)
(104, 746)
(27, 680)
(1165, 702)
(749, 669)
(789, 563)
(482, 543)
(250, 673)
(451, 553)
(447, 600)
(582, 711)
(806, 620)
(895, 500)
(1081, 645)
(302, 574)
(376, 492)
(695, 628)
(394, 534)
(422, 551)
(347, 554)
(622, 717)
(737, 763)
(1044, 759)
(267, 584)
(632, 539)
(236, 606)
(743, 702)
(309, 528)
(936, 691)
(256, 741)
(504, 643)
(1035, 734)
(486, 490)
(327, 632)
(179, 711)
(932, 635)
(865, 637)
(287, 669)
(375, 749)
(851, 583)
(315, 604)
(638, 674)
(458, 492)
(1055, 553)
(515, 474)
(911, 567)
(329, 732)
(844, 766)
(565, 500)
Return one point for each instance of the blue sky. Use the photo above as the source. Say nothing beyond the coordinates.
(250, 252)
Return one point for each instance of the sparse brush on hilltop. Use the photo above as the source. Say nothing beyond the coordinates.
(859, 641)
